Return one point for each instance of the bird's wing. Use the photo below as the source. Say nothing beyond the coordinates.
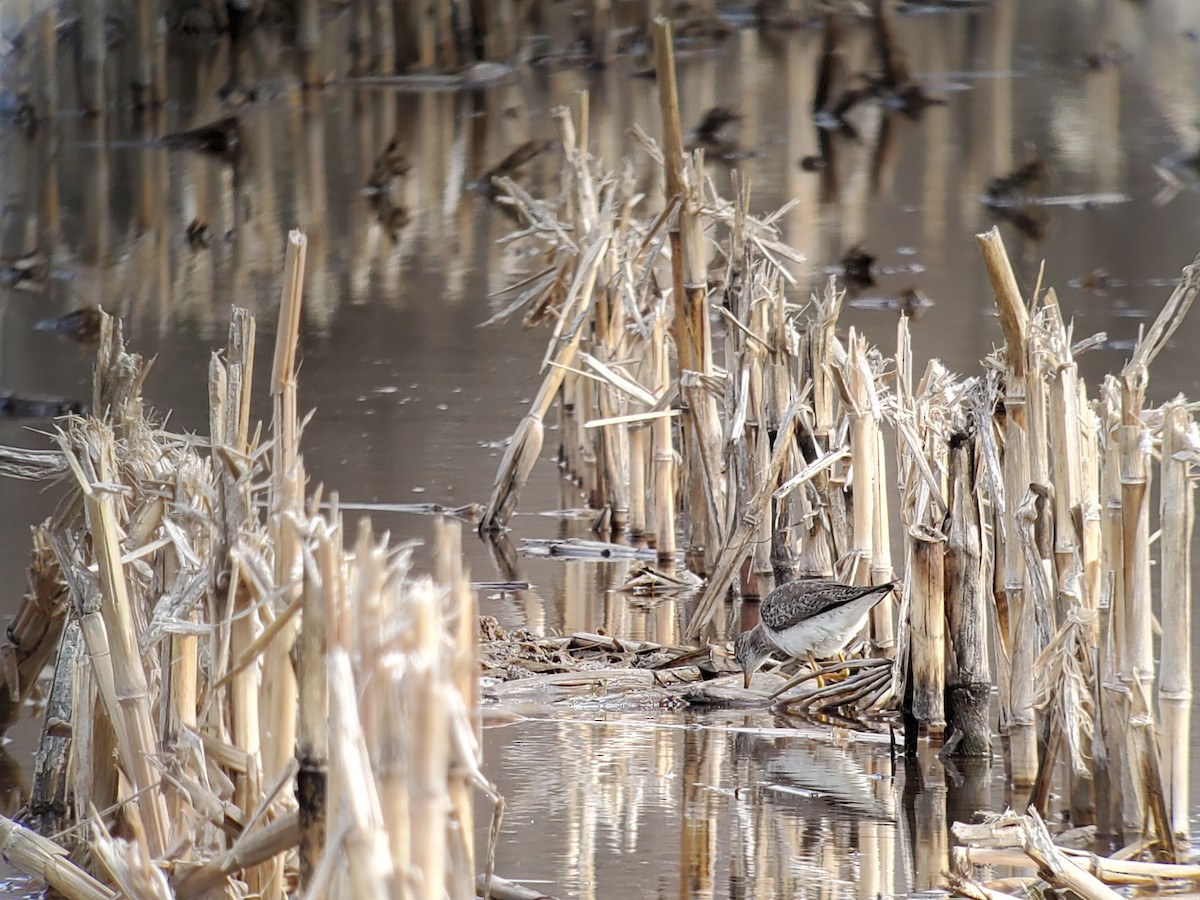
(799, 600)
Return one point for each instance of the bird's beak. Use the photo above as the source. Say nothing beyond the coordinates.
(748, 674)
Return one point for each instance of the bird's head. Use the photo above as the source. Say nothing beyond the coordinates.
(750, 649)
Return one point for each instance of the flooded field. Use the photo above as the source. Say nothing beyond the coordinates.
(414, 399)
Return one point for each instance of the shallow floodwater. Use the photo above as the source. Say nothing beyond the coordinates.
(414, 400)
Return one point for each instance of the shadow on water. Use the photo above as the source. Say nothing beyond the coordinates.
(415, 401)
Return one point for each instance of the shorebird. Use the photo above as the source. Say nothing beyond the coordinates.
(809, 617)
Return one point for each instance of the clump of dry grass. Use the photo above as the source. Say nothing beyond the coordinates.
(282, 711)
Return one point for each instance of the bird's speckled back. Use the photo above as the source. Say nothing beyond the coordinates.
(798, 600)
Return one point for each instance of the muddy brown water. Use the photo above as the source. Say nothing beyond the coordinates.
(414, 400)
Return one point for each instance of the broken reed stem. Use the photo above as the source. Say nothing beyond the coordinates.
(637, 479)
(703, 403)
(183, 674)
(1089, 512)
(870, 495)
(312, 739)
(1039, 564)
(393, 755)
(370, 869)
(395, 632)
(1175, 685)
(465, 673)
(668, 102)
(1113, 700)
(33, 634)
(699, 424)
(928, 618)
(969, 677)
(1133, 474)
(526, 446)
(133, 722)
(1135, 530)
(49, 796)
(613, 445)
(589, 463)
(41, 857)
(1014, 320)
(734, 551)
(283, 370)
(614, 439)
(602, 448)
(864, 442)
(830, 543)
(662, 442)
(750, 403)
(1066, 456)
(430, 763)
(251, 849)
(243, 624)
(1022, 640)
(462, 623)
(921, 451)
(1110, 871)
(781, 370)
(278, 691)
(96, 737)
(1070, 476)
(1036, 841)
(1086, 798)
(1138, 677)
(883, 614)
(569, 429)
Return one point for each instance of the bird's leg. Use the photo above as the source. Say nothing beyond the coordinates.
(836, 676)
(812, 663)
(844, 673)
